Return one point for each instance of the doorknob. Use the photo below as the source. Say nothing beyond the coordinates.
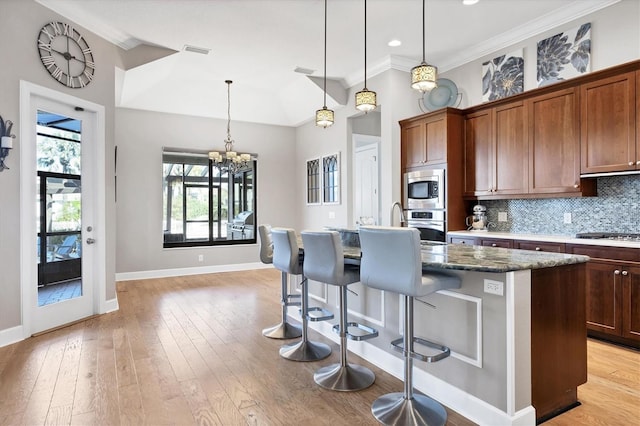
(90, 241)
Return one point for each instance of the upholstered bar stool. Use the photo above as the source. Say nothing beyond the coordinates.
(283, 330)
(324, 262)
(286, 258)
(391, 262)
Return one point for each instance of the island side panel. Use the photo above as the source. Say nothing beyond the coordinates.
(558, 337)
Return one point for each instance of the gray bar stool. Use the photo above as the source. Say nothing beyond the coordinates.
(324, 262)
(391, 262)
(283, 330)
(286, 258)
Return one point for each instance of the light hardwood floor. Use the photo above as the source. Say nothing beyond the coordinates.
(188, 350)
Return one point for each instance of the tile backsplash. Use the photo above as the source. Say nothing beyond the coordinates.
(615, 209)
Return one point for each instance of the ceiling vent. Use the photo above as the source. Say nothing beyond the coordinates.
(194, 49)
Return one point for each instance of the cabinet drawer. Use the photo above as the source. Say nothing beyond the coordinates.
(607, 253)
(489, 242)
(540, 246)
(462, 240)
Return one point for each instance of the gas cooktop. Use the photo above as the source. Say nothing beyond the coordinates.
(618, 236)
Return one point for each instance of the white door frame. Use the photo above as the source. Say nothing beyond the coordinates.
(29, 92)
(360, 141)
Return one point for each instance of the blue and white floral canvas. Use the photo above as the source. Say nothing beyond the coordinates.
(503, 76)
(565, 55)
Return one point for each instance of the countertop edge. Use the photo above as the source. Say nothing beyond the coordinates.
(545, 238)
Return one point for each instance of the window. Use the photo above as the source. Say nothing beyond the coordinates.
(205, 205)
(313, 181)
(331, 179)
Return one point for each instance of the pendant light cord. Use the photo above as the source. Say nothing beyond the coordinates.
(228, 109)
(423, 31)
(325, 53)
(365, 44)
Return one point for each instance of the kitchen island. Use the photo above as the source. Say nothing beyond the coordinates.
(516, 329)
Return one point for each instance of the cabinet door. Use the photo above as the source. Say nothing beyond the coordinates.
(413, 144)
(607, 116)
(511, 149)
(631, 303)
(435, 140)
(478, 156)
(554, 143)
(462, 240)
(603, 282)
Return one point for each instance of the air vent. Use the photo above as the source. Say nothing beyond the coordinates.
(306, 71)
(194, 49)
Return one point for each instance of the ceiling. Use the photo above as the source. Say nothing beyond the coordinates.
(259, 43)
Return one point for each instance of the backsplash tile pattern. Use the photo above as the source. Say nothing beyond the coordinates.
(615, 209)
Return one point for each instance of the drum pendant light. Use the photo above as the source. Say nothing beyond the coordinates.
(423, 76)
(324, 116)
(365, 99)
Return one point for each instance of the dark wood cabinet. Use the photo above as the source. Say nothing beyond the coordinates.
(613, 292)
(426, 138)
(539, 246)
(495, 242)
(608, 124)
(554, 144)
(496, 151)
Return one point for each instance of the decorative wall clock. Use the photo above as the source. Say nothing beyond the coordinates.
(66, 55)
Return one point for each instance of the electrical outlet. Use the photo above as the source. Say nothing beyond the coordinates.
(567, 218)
(502, 216)
(332, 215)
(494, 287)
(200, 258)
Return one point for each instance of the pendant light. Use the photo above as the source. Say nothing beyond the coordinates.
(324, 116)
(423, 76)
(365, 99)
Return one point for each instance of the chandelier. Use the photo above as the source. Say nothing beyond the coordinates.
(423, 76)
(229, 159)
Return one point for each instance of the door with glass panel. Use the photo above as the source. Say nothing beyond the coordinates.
(63, 216)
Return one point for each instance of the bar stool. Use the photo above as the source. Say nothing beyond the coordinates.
(391, 262)
(324, 262)
(283, 330)
(286, 258)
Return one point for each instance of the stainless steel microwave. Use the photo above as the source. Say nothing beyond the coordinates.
(424, 189)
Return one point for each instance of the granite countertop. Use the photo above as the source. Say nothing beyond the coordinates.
(483, 259)
(563, 239)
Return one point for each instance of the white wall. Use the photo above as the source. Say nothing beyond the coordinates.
(140, 136)
(20, 23)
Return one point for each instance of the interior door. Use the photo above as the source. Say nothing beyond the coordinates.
(64, 200)
(366, 194)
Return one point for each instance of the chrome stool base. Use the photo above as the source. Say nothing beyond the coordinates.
(305, 351)
(347, 378)
(283, 331)
(394, 409)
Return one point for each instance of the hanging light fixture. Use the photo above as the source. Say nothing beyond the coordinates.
(324, 116)
(365, 99)
(229, 159)
(423, 76)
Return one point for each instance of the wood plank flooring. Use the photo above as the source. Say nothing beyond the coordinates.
(188, 350)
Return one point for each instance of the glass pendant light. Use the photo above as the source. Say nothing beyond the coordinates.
(324, 116)
(365, 99)
(423, 76)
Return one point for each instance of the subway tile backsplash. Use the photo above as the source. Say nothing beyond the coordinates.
(615, 209)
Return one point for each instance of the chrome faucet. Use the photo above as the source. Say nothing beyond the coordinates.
(393, 206)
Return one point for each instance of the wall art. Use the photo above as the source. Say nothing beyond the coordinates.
(565, 55)
(503, 76)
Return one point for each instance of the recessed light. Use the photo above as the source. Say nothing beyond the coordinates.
(306, 71)
(469, 2)
(195, 49)
(394, 43)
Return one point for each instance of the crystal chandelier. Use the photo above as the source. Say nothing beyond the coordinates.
(324, 116)
(365, 99)
(229, 159)
(423, 76)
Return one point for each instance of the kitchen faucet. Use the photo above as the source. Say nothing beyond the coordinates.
(393, 206)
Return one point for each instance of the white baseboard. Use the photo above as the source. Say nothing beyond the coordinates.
(464, 403)
(111, 305)
(176, 272)
(11, 335)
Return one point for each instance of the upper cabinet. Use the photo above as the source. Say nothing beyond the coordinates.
(496, 151)
(608, 124)
(426, 139)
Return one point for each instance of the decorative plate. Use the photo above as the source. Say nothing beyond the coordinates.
(444, 95)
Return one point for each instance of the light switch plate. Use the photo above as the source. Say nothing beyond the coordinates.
(332, 215)
(502, 216)
(567, 218)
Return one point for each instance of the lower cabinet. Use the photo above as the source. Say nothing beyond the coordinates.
(613, 293)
